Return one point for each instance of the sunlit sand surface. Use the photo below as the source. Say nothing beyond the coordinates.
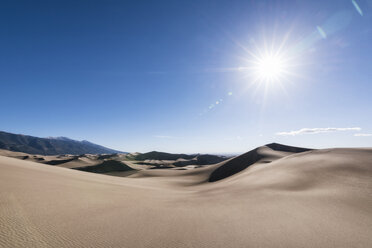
(268, 197)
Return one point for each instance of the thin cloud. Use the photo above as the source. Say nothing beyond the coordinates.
(363, 134)
(318, 130)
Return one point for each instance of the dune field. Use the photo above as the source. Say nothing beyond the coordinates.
(272, 196)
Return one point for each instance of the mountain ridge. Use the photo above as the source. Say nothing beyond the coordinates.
(50, 146)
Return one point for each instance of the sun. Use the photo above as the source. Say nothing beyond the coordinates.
(268, 65)
(269, 68)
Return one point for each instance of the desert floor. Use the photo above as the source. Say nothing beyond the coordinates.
(264, 198)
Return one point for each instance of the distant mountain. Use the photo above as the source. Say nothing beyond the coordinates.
(162, 156)
(50, 145)
(182, 159)
(60, 138)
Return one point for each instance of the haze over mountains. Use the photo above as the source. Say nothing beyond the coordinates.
(50, 146)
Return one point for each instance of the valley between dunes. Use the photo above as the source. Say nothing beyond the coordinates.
(269, 197)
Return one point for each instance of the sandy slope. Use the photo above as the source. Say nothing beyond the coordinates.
(320, 198)
(91, 162)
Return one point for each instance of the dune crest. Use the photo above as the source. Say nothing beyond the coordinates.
(263, 198)
(241, 162)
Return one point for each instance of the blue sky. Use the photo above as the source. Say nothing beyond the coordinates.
(171, 75)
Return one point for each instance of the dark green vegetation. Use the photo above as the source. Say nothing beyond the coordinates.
(49, 146)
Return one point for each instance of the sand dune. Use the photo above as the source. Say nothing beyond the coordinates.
(115, 164)
(98, 163)
(269, 197)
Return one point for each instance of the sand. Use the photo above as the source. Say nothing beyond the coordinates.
(91, 162)
(319, 198)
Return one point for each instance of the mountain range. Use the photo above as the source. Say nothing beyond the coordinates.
(50, 146)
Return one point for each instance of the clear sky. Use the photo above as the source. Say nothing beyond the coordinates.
(187, 76)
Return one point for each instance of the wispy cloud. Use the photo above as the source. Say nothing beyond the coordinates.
(363, 134)
(318, 130)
